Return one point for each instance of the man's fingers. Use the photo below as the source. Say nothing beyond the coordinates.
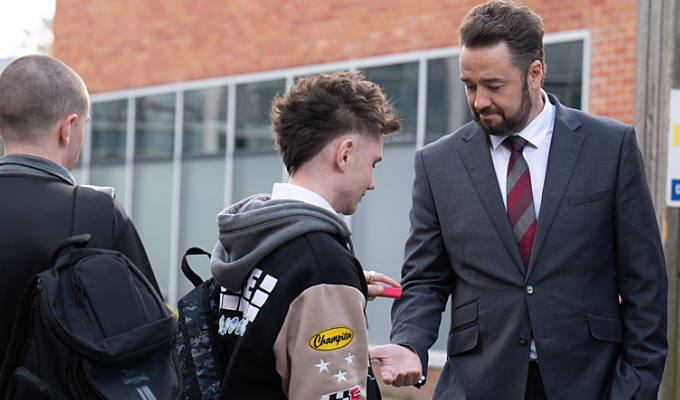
(399, 366)
(398, 381)
(402, 379)
(387, 377)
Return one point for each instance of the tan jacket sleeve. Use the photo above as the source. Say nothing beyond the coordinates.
(322, 348)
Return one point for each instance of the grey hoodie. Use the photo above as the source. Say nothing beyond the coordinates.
(252, 228)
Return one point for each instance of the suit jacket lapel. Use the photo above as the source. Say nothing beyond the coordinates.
(564, 149)
(479, 167)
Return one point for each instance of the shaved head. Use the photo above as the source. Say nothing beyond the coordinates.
(35, 93)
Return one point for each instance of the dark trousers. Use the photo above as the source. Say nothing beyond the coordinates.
(535, 389)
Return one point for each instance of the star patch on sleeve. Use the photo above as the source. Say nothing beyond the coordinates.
(341, 376)
(323, 366)
(350, 359)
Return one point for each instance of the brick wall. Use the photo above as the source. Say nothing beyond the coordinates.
(128, 43)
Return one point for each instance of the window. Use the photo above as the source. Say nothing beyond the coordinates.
(109, 121)
(399, 82)
(109, 137)
(447, 107)
(205, 122)
(155, 126)
(253, 102)
(203, 171)
(564, 71)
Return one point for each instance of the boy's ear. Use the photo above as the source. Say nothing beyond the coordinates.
(343, 153)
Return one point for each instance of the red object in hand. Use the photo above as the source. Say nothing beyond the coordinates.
(389, 291)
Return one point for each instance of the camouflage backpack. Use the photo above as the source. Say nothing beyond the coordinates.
(196, 343)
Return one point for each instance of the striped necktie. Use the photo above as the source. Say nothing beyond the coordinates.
(519, 198)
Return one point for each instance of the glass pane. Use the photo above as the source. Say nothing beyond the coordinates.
(155, 126)
(256, 173)
(253, 102)
(202, 199)
(109, 122)
(112, 175)
(152, 214)
(564, 72)
(205, 121)
(399, 82)
(447, 107)
(77, 173)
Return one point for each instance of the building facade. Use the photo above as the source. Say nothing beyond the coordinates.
(181, 93)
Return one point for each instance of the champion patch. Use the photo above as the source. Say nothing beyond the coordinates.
(331, 338)
(348, 394)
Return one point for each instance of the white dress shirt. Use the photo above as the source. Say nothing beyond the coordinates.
(288, 191)
(538, 134)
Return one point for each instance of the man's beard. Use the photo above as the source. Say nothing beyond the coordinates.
(509, 124)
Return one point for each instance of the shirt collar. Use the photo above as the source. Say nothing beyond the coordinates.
(37, 165)
(537, 130)
(289, 191)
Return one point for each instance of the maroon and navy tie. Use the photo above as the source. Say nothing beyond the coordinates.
(519, 198)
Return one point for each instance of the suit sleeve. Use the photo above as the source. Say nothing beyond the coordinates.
(426, 276)
(127, 241)
(641, 277)
(322, 347)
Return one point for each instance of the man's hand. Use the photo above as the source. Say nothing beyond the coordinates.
(399, 365)
(374, 287)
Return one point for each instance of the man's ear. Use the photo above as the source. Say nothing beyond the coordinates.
(344, 152)
(65, 128)
(535, 75)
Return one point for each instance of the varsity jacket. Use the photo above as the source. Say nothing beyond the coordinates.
(292, 304)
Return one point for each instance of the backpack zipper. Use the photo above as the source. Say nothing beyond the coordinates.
(78, 290)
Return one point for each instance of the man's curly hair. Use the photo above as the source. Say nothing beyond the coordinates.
(320, 108)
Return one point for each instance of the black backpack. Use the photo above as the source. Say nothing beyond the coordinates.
(201, 354)
(90, 327)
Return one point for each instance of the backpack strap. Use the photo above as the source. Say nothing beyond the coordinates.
(91, 222)
(186, 269)
(92, 213)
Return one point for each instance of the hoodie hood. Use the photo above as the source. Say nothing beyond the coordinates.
(254, 227)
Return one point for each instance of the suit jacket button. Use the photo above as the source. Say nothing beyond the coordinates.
(522, 342)
(530, 289)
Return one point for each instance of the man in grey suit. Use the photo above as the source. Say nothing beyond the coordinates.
(537, 221)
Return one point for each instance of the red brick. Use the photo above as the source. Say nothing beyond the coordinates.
(127, 43)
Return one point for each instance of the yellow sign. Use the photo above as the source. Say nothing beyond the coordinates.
(676, 135)
(331, 338)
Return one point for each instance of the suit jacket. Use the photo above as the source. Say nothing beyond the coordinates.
(596, 239)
